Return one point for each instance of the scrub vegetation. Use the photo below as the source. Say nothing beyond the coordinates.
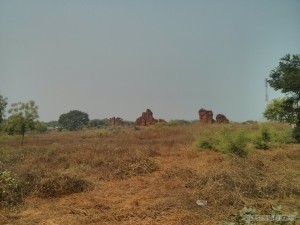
(149, 175)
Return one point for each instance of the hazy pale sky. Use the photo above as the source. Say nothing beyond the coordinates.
(120, 57)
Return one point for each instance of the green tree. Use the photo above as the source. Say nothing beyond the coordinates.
(3, 104)
(286, 78)
(279, 110)
(23, 118)
(74, 120)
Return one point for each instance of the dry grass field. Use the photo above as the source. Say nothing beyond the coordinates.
(154, 175)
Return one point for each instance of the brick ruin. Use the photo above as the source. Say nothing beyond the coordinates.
(146, 119)
(206, 117)
(220, 118)
(116, 121)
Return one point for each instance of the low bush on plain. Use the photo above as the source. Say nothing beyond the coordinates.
(268, 137)
(205, 143)
(233, 142)
(263, 138)
(10, 192)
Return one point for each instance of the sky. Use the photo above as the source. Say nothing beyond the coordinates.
(120, 57)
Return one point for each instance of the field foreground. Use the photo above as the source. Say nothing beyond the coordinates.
(153, 175)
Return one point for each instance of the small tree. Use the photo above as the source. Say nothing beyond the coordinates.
(3, 104)
(23, 118)
(74, 120)
(279, 110)
(286, 77)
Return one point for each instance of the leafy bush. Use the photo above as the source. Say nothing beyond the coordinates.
(268, 137)
(205, 143)
(262, 140)
(284, 137)
(233, 142)
(10, 193)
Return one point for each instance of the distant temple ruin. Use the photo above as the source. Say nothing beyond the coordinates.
(146, 119)
(221, 119)
(206, 117)
(116, 121)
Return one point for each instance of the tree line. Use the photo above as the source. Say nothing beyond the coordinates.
(23, 117)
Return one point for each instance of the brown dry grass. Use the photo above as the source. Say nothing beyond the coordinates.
(146, 176)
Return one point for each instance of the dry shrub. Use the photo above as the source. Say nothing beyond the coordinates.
(29, 182)
(143, 167)
(135, 168)
(231, 185)
(120, 161)
(62, 185)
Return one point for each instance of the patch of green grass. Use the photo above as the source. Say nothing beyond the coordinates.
(268, 137)
(238, 141)
(225, 141)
